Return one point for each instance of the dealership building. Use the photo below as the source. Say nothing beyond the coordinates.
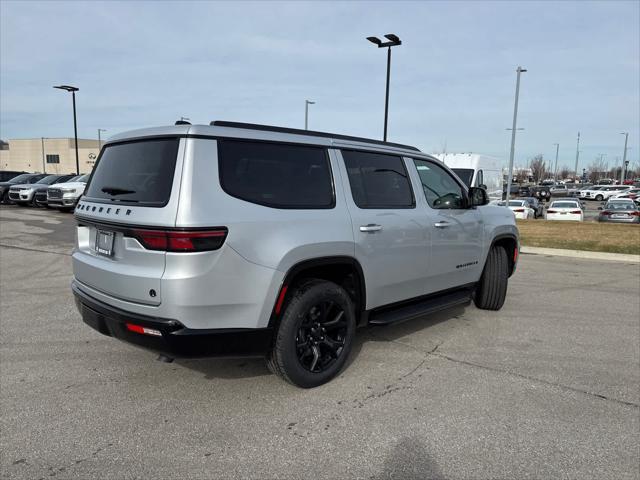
(48, 155)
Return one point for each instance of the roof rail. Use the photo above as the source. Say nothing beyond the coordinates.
(311, 133)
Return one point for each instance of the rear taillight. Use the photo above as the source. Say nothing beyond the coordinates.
(635, 214)
(576, 212)
(181, 240)
(551, 211)
(605, 212)
(519, 210)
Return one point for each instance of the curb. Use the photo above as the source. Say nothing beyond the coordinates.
(557, 252)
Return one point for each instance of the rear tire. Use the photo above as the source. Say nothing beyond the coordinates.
(492, 289)
(315, 334)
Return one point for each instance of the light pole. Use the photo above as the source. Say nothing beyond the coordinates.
(519, 70)
(575, 170)
(73, 91)
(99, 140)
(44, 169)
(393, 42)
(306, 113)
(555, 170)
(624, 155)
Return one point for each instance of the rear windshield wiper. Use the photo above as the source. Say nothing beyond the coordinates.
(116, 190)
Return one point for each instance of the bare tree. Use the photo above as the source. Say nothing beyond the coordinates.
(522, 175)
(565, 172)
(538, 168)
(597, 169)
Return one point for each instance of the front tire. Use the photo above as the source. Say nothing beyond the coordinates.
(315, 334)
(492, 289)
(599, 198)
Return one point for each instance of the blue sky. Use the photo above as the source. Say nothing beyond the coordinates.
(141, 64)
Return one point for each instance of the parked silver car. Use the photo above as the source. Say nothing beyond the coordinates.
(619, 211)
(249, 239)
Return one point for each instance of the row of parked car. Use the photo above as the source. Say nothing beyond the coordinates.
(42, 190)
(620, 209)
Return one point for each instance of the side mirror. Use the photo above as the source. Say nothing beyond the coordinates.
(482, 186)
(478, 197)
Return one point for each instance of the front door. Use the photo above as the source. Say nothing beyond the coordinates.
(456, 231)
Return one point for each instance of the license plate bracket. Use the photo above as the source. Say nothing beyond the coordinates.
(104, 243)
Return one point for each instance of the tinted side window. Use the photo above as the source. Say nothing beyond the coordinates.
(378, 180)
(440, 188)
(276, 175)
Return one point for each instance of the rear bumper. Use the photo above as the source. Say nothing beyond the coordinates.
(175, 340)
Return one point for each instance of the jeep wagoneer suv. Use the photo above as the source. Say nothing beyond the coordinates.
(239, 239)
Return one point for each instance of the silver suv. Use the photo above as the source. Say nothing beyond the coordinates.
(239, 239)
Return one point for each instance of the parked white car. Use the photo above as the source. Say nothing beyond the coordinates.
(66, 195)
(606, 191)
(521, 209)
(565, 210)
(631, 194)
(585, 193)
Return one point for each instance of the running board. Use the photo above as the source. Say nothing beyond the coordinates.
(419, 308)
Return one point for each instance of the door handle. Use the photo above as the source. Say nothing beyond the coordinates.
(442, 224)
(370, 228)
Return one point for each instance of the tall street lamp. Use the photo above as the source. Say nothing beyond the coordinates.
(44, 168)
(575, 170)
(99, 139)
(393, 41)
(73, 91)
(555, 170)
(624, 155)
(306, 113)
(519, 70)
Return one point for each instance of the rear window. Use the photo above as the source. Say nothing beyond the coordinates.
(135, 172)
(378, 180)
(564, 205)
(276, 175)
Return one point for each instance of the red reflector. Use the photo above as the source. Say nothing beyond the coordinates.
(181, 241)
(135, 328)
(515, 255)
(143, 330)
(280, 301)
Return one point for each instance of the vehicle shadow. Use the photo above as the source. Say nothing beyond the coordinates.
(409, 460)
(253, 367)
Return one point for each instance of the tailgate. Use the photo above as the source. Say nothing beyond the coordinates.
(135, 186)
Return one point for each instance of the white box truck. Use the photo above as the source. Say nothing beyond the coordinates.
(476, 170)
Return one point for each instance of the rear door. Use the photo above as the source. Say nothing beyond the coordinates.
(134, 188)
(391, 239)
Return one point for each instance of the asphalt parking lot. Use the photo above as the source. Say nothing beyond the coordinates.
(548, 387)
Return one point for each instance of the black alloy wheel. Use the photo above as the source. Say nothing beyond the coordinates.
(321, 336)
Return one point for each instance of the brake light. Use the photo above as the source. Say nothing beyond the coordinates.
(519, 210)
(181, 240)
(636, 213)
(551, 211)
(576, 212)
(605, 212)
